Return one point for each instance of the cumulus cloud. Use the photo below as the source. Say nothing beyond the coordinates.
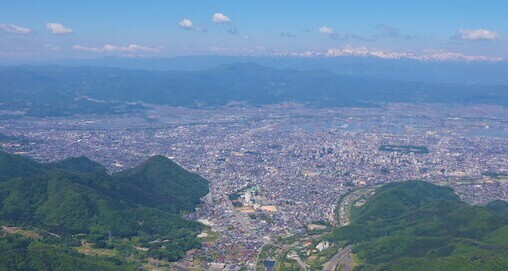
(116, 48)
(325, 30)
(187, 24)
(477, 34)
(11, 28)
(57, 28)
(220, 18)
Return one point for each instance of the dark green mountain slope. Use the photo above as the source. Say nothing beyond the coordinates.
(17, 166)
(77, 197)
(165, 184)
(499, 207)
(12, 166)
(80, 164)
(420, 226)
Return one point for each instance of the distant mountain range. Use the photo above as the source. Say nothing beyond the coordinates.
(401, 69)
(61, 207)
(419, 226)
(364, 52)
(58, 90)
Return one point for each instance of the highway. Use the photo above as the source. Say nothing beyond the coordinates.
(342, 258)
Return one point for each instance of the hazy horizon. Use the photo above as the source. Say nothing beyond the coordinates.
(53, 30)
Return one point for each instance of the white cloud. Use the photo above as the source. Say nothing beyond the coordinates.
(186, 24)
(325, 29)
(220, 18)
(115, 48)
(57, 28)
(11, 28)
(477, 34)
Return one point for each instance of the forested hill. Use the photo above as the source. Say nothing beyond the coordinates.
(420, 226)
(66, 203)
(60, 91)
(166, 185)
(12, 166)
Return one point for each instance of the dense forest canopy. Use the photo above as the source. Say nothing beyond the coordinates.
(75, 200)
(416, 225)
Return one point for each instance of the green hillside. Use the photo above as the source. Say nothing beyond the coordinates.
(12, 166)
(499, 208)
(420, 226)
(27, 254)
(165, 185)
(80, 164)
(76, 197)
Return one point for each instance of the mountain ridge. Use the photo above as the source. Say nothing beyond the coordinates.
(76, 197)
(59, 91)
(420, 226)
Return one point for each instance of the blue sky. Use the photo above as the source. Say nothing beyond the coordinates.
(55, 29)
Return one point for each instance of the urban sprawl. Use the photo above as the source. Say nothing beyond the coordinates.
(277, 171)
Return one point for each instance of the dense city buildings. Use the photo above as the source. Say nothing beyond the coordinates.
(287, 164)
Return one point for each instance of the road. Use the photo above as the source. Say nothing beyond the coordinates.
(298, 260)
(242, 220)
(342, 258)
(344, 215)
